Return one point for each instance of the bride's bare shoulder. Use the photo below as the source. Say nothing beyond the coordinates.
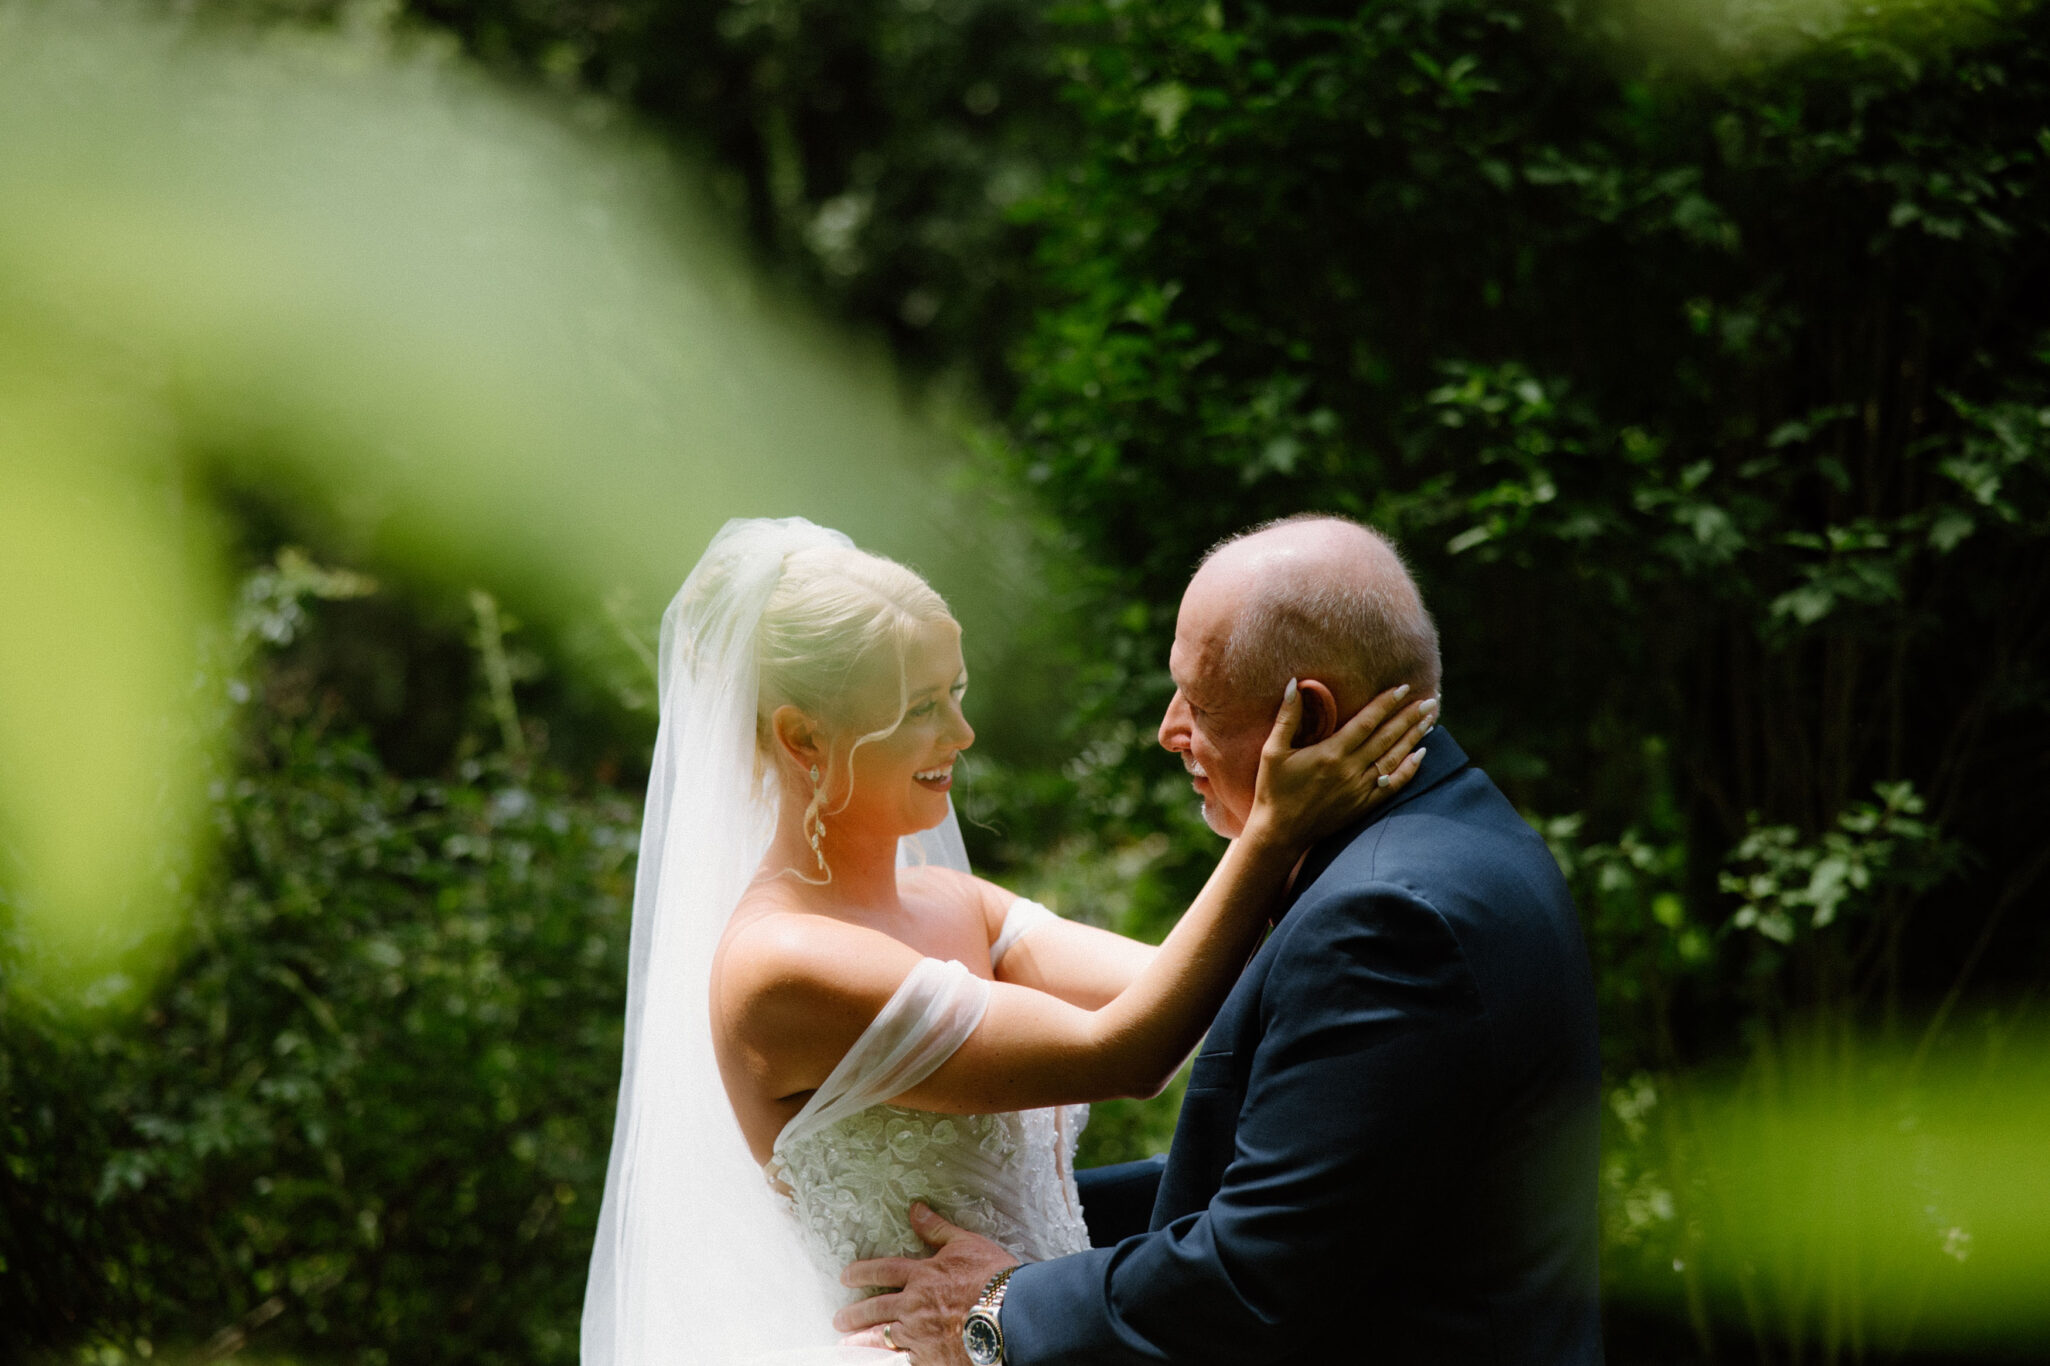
(779, 947)
(942, 882)
(960, 894)
(778, 950)
(792, 990)
(771, 940)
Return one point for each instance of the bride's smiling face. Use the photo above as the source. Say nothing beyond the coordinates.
(901, 779)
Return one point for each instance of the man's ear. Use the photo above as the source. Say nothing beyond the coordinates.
(1320, 713)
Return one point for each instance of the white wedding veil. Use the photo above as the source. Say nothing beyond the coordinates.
(696, 1259)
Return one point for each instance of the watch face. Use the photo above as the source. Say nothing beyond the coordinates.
(984, 1343)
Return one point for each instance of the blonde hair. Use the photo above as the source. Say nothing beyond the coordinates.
(836, 615)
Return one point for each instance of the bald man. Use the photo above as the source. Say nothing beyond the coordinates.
(1387, 1152)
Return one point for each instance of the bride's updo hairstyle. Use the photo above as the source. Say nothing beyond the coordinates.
(838, 620)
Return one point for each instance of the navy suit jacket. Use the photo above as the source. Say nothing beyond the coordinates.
(1388, 1148)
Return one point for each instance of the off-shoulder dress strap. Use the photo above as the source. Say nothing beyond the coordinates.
(930, 1015)
(1022, 916)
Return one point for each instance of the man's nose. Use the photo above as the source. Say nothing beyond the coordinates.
(1174, 726)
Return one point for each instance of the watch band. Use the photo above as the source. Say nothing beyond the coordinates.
(982, 1332)
(993, 1293)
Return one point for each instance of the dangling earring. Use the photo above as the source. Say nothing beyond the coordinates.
(814, 822)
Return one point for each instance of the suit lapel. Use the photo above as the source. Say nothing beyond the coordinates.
(1205, 1133)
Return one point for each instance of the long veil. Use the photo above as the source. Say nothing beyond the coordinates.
(695, 1259)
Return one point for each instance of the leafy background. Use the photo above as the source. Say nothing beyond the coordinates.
(1698, 355)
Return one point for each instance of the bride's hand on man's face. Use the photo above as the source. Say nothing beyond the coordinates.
(1302, 795)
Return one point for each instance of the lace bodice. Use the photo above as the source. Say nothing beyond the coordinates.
(1009, 1177)
(851, 1163)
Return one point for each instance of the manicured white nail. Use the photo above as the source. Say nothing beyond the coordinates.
(1402, 692)
(1382, 781)
(1429, 726)
(1420, 757)
(1288, 693)
(1428, 706)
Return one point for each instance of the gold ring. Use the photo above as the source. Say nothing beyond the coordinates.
(889, 1341)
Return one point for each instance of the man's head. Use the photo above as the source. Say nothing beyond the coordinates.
(1319, 599)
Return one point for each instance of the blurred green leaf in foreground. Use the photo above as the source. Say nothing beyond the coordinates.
(1848, 1202)
(499, 346)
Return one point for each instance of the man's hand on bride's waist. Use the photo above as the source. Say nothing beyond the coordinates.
(923, 1300)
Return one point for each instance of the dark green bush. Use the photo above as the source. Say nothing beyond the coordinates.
(368, 1110)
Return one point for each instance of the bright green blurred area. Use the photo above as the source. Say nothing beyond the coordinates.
(1718, 38)
(499, 347)
(103, 596)
(1851, 1200)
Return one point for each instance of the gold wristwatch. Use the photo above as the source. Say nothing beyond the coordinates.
(982, 1335)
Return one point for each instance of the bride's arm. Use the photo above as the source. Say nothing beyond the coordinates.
(806, 991)
(1083, 965)
(1079, 963)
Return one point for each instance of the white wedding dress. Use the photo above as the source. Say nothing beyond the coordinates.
(701, 1258)
(851, 1163)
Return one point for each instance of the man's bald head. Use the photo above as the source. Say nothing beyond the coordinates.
(1321, 597)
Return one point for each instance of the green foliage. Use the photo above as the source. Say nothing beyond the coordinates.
(1441, 266)
(369, 1111)
(1707, 411)
(874, 149)
(1687, 1160)
(1784, 886)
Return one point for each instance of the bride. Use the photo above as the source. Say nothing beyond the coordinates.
(828, 1017)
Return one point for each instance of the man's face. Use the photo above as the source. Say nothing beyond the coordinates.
(1217, 733)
